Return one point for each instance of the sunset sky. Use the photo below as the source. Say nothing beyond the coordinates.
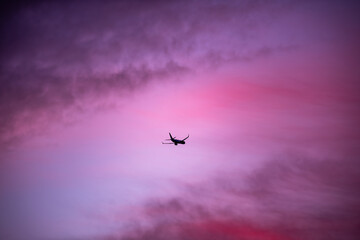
(267, 90)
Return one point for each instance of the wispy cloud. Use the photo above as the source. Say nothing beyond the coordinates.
(291, 197)
(246, 80)
(55, 55)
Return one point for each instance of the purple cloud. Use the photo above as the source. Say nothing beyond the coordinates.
(88, 89)
(292, 197)
(55, 55)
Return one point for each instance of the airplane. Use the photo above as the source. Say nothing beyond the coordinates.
(175, 141)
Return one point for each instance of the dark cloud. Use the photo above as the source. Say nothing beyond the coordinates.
(55, 54)
(32, 97)
(205, 230)
(292, 197)
(57, 57)
(318, 199)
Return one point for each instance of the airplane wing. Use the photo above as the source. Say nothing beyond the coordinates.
(166, 143)
(186, 137)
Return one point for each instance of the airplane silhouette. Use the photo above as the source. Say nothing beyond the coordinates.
(175, 141)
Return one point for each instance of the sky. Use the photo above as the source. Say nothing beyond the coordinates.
(267, 90)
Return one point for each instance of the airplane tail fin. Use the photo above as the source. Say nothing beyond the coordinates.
(170, 136)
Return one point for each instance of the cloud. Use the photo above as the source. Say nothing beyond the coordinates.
(206, 230)
(35, 97)
(290, 197)
(55, 55)
(60, 60)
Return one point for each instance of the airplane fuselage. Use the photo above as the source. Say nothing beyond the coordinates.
(176, 142)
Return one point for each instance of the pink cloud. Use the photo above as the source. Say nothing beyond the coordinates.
(88, 90)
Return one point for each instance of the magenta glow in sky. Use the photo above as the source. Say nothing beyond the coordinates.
(267, 90)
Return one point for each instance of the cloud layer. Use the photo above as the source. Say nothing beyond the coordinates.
(291, 197)
(88, 89)
(57, 57)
